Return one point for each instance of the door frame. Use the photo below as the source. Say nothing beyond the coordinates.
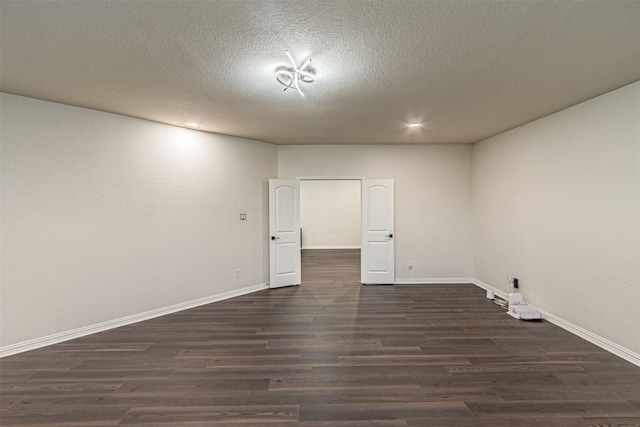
(345, 178)
(342, 178)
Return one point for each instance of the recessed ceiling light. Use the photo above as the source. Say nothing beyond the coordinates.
(192, 125)
(414, 125)
(290, 77)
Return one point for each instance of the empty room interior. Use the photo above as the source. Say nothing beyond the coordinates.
(257, 213)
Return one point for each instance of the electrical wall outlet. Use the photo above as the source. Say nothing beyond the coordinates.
(513, 282)
(237, 273)
(410, 265)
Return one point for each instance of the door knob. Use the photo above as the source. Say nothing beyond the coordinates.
(274, 238)
(389, 236)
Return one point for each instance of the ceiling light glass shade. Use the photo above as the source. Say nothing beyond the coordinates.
(291, 77)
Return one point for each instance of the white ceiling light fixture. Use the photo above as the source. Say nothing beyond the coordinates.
(414, 125)
(291, 77)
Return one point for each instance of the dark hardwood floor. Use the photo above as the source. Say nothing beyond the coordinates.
(328, 353)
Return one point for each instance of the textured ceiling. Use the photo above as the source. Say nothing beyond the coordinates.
(466, 69)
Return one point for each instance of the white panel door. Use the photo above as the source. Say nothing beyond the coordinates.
(284, 232)
(377, 254)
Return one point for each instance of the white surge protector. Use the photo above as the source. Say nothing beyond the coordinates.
(524, 312)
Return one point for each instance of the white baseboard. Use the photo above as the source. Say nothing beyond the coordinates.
(496, 291)
(611, 347)
(333, 247)
(110, 324)
(21, 347)
(433, 281)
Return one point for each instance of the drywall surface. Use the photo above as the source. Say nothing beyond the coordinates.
(105, 216)
(432, 198)
(330, 214)
(557, 203)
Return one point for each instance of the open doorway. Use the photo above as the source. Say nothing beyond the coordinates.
(331, 227)
(285, 234)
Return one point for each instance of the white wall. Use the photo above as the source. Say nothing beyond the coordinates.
(557, 203)
(105, 216)
(330, 214)
(432, 198)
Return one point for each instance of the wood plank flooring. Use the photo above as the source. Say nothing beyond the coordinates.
(330, 352)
